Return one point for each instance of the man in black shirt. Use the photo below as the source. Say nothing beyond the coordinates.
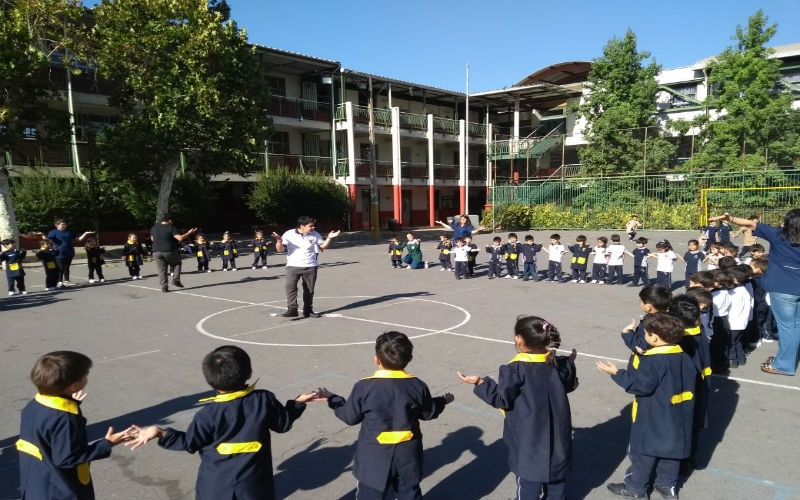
(166, 250)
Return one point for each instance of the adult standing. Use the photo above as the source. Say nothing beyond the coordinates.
(62, 239)
(782, 282)
(461, 228)
(166, 250)
(302, 245)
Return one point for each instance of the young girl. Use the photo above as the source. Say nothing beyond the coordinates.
(531, 392)
(200, 249)
(395, 255)
(229, 251)
(444, 247)
(599, 262)
(712, 257)
(555, 251)
(48, 258)
(260, 250)
(132, 252)
(94, 260)
(666, 261)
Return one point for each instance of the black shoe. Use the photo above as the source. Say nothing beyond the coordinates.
(311, 314)
(177, 283)
(165, 288)
(669, 492)
(631, 285)
(622, 490)
(290, 313)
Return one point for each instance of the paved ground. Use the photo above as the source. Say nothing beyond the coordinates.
(147, 347)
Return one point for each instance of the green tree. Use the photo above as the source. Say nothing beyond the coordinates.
(756, 124)
(185, 80)
(31, 32)
(284, 195)
(619, 105)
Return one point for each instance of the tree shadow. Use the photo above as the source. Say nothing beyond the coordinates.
(328, 463)
(376, 300)
(608, 440)
(157, 414)
(32, 299)
(476, 479)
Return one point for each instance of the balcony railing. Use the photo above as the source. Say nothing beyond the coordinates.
(414, 170)
(382, 117)
(301, 163)
(476, 129)
(299, 108)
(414, 121)
(382, 168)
(32, 153)
(445, 126)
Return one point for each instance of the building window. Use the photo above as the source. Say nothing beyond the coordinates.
(276, 85)
(29, 132)
(279, 143)
(689, 90)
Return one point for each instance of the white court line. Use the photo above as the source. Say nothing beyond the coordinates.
(128, 356)
(260, 330)
(385, 323)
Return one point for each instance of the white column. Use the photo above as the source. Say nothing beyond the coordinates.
(515, 133)
(462, 144)
(429, 136)
(351, 145)
(396, 160)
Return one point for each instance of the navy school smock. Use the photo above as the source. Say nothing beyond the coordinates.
(389, 406)
(232, 434)
(538, 423)
(54, 452)
(663, 385)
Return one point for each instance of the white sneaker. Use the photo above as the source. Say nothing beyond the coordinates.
(91, 281)
(767, 341)
(508, 276)
(102, 280)
(515, 278)
(60, 284)
(408, 267)
(574, 281)
(426, 264)
(254, 267)
(170, 275)
(582, 281)
(24, 293)
(133, 277)
(224, 269)
(67, 283)
(11, 293)
(140, 276)
(442, 269)
(234, 269)
(208, 271)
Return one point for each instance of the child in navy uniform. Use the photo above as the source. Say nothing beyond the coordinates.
(132, 253)
(495, 251)
(48, 258)
(663, 386)
(639, 255)
(762, 314)
(54, 450)
(229, 251)
(260, 245)
(580, 257)
(512, 249)
(531, 392)
(389, 406)
(652, 299)
(232, 432)
(693, 258)
(15, 274)
(444, 247)
(529, 251)
(472, 255)
(94, 259)
(395, 255)
(202, 250)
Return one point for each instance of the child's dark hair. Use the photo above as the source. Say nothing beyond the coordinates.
(722, 279)
(703, 278)
(665, 244)
(657, 296)
(580, 239)
(615, 238)
(757, 247)
(701, 295)
(603, 239)
(497, 239)
(537, 333)
(760, 263)
(512, 235)
(693, 242)
(456, 241)
(687, 309)
(641, 240)
(528, 237)
(7, 241)
(394, 350)
(730, 247)
(227, 368)
(555, 236)
(54, 372)
(667, 327)
(741, 273)
(726, 262)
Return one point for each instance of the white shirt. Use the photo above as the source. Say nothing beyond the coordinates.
(461, 253)
(741, 307)
(555, 252)
(599, 255)
(722, 302)
(615, 252)
(666, 261)
(712, 262)
(301, 249)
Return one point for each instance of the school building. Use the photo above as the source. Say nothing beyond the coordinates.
(428, 153)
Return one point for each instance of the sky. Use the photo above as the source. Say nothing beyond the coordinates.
(432, 41)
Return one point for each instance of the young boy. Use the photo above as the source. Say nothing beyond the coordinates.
(48, 258)
(529, 251)
(693, 257)
(631, 226)
(762, 313)
(15, 274)
(705, 302)
(599, 263)
(495, 251)
(444, 247)
(132, 253)
(54, 450)
(389, 406)
(260, 247)
(202, 250)
(395, 255)
(639, 255)
(232, 431)
(472, 255)
(614, 254)
(652, 299)
(512, 250)
(461, 257)
(663, 409)
(580, 256)
(555, 251)
(94, 260)
(739, 314)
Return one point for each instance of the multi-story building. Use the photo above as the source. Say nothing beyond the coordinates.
(434, 152)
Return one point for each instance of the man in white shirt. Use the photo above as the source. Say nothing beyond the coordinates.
(302, 245)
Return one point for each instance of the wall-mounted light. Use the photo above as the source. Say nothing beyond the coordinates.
(327, 80)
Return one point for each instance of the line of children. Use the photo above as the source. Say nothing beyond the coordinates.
(132, 253)
(444, 247)
(12, 259)
(94, 259)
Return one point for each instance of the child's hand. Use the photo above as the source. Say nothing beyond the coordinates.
(79, 396)
(639, 350)
(448, 398)
(470, 379)
(304, 398)
(630, 327)
(142, 436)
(573, 355)
(608, 367)
(322, 394)
(116, 438)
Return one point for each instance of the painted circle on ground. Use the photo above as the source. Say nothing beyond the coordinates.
(203, 327)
